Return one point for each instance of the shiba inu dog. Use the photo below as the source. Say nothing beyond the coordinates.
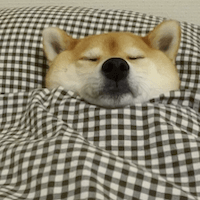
(114, 69)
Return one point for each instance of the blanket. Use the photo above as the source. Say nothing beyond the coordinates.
(56, 146)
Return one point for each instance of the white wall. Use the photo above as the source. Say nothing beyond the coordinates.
(182, 10)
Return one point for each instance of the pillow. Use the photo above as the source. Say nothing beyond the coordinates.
(22, 62)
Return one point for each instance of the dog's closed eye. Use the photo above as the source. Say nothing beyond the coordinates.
(89, 59)
(135, 58)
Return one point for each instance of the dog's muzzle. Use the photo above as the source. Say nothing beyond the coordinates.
(115, 71)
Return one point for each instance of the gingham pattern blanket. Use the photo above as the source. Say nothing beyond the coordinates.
(53, 145)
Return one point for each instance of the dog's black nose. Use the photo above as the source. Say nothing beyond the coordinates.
(115, 69)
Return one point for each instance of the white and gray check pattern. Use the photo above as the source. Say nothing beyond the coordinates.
(53, 145)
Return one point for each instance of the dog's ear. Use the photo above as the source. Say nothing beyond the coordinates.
(55, 41)
(166, 38)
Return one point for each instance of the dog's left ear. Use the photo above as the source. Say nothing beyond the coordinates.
(166, 37)
(55, 41)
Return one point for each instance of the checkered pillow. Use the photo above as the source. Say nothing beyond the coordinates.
(22, 62)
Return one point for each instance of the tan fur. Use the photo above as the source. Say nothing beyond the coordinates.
(76, 64)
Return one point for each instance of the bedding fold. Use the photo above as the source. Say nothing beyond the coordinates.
(56, 146)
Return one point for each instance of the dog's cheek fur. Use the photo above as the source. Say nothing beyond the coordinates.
(65, 77)
(148, 82)
(91, 83)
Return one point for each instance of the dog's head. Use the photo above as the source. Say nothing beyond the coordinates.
(114, 69)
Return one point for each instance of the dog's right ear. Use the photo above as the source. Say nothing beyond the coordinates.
(166, 37)
(55, 41)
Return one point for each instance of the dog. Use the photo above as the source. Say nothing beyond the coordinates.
(114, 69)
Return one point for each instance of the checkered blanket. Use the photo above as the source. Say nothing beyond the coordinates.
(53, 145)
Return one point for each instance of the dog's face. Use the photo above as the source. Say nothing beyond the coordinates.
(114, 69)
